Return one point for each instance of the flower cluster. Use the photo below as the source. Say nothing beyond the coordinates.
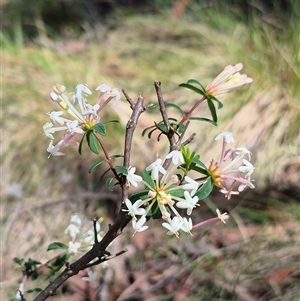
(229, 79)
(165, 195)
(232, 167)
(82, 115)
(167, 191)
(82, 239)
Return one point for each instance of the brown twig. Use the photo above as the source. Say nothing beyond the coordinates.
(99, 249)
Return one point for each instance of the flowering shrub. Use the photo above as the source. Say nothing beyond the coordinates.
(168, 190)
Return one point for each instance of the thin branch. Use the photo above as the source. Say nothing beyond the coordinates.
(128, 99)
(162, 108)
(99, 249)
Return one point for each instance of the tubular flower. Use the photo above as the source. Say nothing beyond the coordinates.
(228, 80)
(82, 115)
(163, 193)
(82, 238)
(231, 169)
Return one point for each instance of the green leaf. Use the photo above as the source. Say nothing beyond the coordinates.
(172, 105)
(147, 178)
(220, 105)
(96, 164)
(203, 119)
(109, 181)
(81, 144)
(161, 126)
(112, 121)
(18, 261)
(56, 246)
(34, 290)
(155, 212)
(93, 142)
(193, 88)
(121, 169)
(212, 109)
(193, 81)
(147, 129)
(60, 260)
(35, 275)
(143, 194)
(197, 161)
(152, 105)
(205, 190)
(99, 128)
(177, 193)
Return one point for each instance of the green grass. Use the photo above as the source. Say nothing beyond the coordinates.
(132, 54)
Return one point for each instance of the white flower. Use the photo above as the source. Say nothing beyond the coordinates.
(132, 178)
(177, 157)
(76, 219)
(55, 117)
(192, 185)
(228, 80)
(241, 152)
(155, 168)
(189, 203)
(91, 276)
(82, 89)
(187, 225)
(91, 110)
(73, 247)
(103, 88)
(49, 130)
(54, 150)
(248, 168)
(222, 216)
(72, 230)
(115, 93)
(227, 137)
(138, 226)
(133, 209)
(243, 186)
(173, 226)
(89, 238)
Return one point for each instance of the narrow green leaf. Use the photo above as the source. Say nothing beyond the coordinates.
(57, 245)
(193, 81)
(121, 169)
(193, 88)
(152, 106)
(220, 105)
(172, 105)
(204, 119)
(151, 132)
(34, 290)
(99, 128)
(109, 181)
(177, 193)
(18, 261)
(212, 109)
(61, 260)
(96, 164)
(112, 121)
(205, 190)
(139, 195)
(81, 144)
(93, 142)
(147, 178)
(197, 161)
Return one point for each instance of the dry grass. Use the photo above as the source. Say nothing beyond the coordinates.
(235, 263)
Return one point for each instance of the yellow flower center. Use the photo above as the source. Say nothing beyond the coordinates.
(88, 125)
(215, 173)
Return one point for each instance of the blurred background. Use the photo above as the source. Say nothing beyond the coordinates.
(130, 44)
